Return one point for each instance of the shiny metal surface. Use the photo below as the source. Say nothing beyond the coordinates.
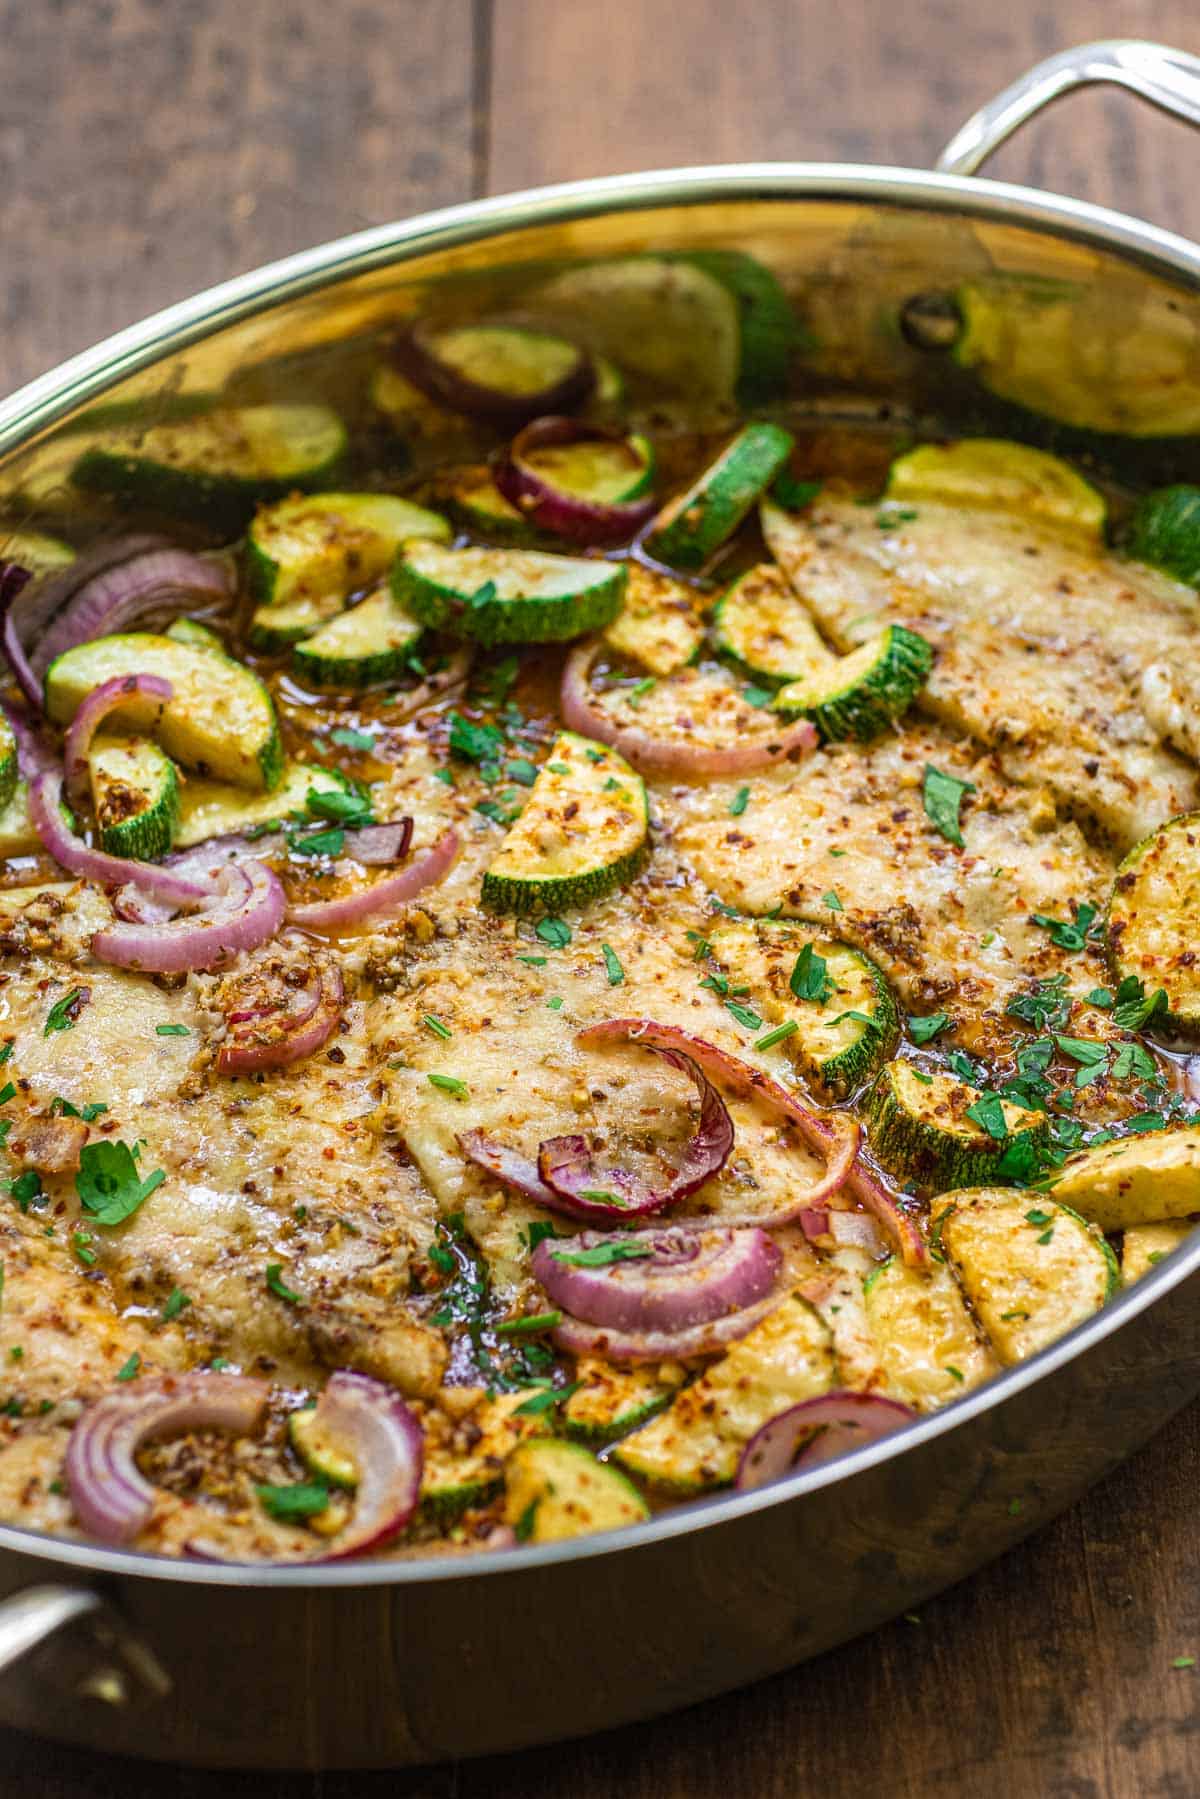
(389, 1663)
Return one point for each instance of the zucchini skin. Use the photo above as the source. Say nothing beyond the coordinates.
(479, 506)
(873, 699)
(1165, 532)
(738, 607)
(913, 1148)
(1123, 927)
(692, 527)
(8, 763)
(150, 832)
(556, 619)
(315, 660)
(501, 893)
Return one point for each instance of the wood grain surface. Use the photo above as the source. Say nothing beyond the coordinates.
(149, 147)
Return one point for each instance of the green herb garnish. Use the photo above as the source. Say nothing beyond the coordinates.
(943, 797)
(64, 1013)
(554, 931)
(307, 1499)
(924, 1030)
(277, 1286)
(448, 1083)
(109, 1183)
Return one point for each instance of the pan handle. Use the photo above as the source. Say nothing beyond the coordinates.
(94, 1655)
(1168, 79)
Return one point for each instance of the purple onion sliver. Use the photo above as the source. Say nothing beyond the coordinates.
(816, 1431)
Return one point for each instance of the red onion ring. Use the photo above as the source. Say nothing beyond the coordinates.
(246, 911)
(579, 1339)
(112, 1499)
(14, 580)
(72, 853)
(568, 1168)
(113, 597)
(415, 355)
(652, 755)
(34, 756)
(380, 896)
(557, 509)
(99, 703)
(276, 1038)
(835, 1136)
(686, 1278)
(816, 1431)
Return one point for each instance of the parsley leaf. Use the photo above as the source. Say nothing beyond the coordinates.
(435, 1025)
(306, 1499)
(547, 1397)
(317, 843)
(779, 1034)
(745, 1017)
(924, 1030)
(171, 1030)
(64, 1013)
(130, 1369)
(277, 1285)
(175, 1304)
(449, 1083)
(809, 978)
(831, 900)
(757, 696)
(1045, 1006)
(554, 931)
(1068, 933)
(109, 1183)
(739, 802)
(342, 807)
(988, 1113)
(474, 743)
(616, 974)
(352, 740)
(483, 596)
(943, 796)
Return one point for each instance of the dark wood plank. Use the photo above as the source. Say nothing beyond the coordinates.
(593, 90)
(149, 149)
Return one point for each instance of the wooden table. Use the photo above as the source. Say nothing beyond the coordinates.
(148, 148)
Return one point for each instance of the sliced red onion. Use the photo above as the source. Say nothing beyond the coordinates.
(509, 1167)
(568, 1168)
(276, 1037)
(72, 853)
(381, 896)
(577, 1338)
(14, 580)
(247, 911)
(415, 354)
(816, 1431)
(377, 845)
(653, 755)
(557, 509)
(96, 707)
(368, 1423)
(665, 1280)
(834, 1135)
(28, 613)
(113, 598)
(112, 1499)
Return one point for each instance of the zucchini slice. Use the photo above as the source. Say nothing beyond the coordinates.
(17, 835)
(703, 326)
(924, 1334)
(200, 636)
(8, 763)
(555, 1490)
(39, 554)
(861, 694)
(991, 471)
(846, 1030)
(659, 624)
(694, 525)
(507, 359)
(609, 1402)
(215, 809)
(304, 555)
(507, 596)
(1145, 1245)
(1030, 1267)
(1147, 1179)
(370, 643)
(135, 796)
(215, 468)
(697, 1441)
(759, 624)
(608, 470)
(584, 830)
(220, 721)
(479, 506)
(1164, 531)
(1150, 926)
(920, 1130)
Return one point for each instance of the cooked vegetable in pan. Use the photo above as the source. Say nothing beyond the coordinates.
(622, 960)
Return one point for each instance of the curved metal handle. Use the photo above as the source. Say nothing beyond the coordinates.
(1168, 79)
(98, 1657)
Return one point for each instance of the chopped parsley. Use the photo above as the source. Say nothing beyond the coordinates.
(943, 796)
(352, 740)
(543, 1400)
(342, 806)
(483, 596)
(757, 696)
(317, 843)
(1045, 1006)
(778, 1035)
(555, 1002)
(26, 1187)
(131, 1368)
(176, 1303)
(524, 772)
(739, 802)
(831, 900)
(66, 1110)
(277, 1285)
(612, 964)
(601, 1255)
(64, 1013)
(81, 1245)
(306, 1499)
(809, 978)
(533, 961)
(554, 931)
(475, 743)
(537, 1321)
(1066, 933)
(640, 689)
(171, 1030)
(499, 815)
(745, 1017)
(110, 1184)
(924, 1030)
(449, 1083)
(988, 1113)
(434, 1024)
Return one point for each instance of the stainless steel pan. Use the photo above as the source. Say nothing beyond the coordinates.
(392, 1663)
